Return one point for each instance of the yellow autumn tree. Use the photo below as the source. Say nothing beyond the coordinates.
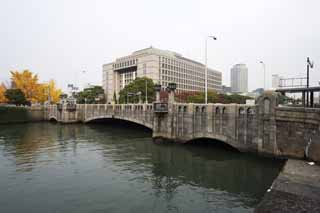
(34, 91)
(49, 91)
(2, 91)
(55, 93)
(27, 82)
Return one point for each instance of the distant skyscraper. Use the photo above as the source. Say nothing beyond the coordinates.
(239, 78)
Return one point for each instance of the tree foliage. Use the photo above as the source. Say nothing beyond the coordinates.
(34, 91)
(3, 89)
(27, 82)
(137, 86)
(213, 97)
(16, 96)
(48, 91)
(93, 95)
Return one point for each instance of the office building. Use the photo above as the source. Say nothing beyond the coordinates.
(163, 67)
(239, 78)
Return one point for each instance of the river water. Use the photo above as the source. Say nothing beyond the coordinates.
(47, 167)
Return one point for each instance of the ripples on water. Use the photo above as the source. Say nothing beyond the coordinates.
(48, 167)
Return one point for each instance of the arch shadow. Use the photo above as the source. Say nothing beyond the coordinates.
(53, 119)
(212, 143)
(121, 123)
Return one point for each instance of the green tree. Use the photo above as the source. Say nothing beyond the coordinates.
(16, 96)
(92, 95)
(214, 97)
(137, 86)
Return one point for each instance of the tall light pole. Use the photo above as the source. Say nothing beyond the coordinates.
(146, 91)
(83, 72)
(264, 74)
(309, 65)
(206, 67)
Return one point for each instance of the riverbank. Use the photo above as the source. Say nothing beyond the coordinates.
(13, 114)
(296, 189)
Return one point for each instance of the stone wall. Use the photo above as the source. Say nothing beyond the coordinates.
(234, 124)
(9, 114)
(298, 132)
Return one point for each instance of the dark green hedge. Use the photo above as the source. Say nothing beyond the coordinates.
(13, 114)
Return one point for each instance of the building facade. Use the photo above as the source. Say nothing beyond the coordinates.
(239, 78)
(163, 67)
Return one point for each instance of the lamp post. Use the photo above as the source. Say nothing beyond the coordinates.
(264, 74)
(146, 91)
(139, 95)
(206, 67)
(83, 79)
(129, 94)
(309, 65)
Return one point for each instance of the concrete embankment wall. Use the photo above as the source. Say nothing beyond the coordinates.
(296, 189)
(11, 114)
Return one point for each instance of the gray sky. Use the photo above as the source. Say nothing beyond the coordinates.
(60, 38)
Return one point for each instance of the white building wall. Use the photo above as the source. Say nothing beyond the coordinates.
(148, 66)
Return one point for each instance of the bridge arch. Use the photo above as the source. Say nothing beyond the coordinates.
(53, 119)
(220, 141)
(129, 120)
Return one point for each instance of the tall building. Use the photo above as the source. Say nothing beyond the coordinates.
(163, 67)
(239, 78)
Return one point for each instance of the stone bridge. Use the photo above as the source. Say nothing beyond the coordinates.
(265, 128)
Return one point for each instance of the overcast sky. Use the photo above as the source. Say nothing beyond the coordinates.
(59, 38)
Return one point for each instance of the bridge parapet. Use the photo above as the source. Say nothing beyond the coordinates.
(138, 113)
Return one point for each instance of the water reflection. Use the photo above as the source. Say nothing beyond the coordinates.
(140, 175)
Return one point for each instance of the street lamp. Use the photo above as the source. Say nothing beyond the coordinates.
(264, 71)
(129, 94)
(146, 91)
(206, 68)
(139, 95)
